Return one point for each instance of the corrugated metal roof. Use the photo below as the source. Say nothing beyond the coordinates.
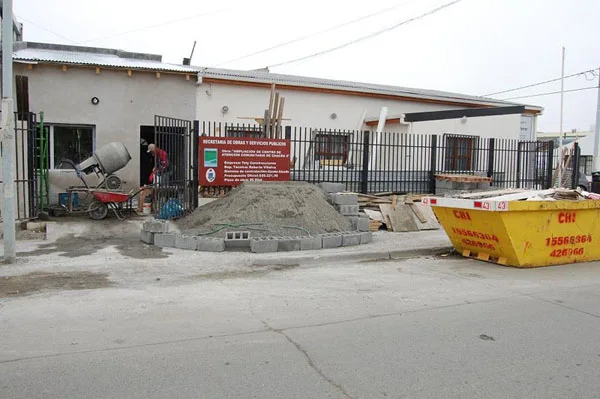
(262, 76)
(106, 59)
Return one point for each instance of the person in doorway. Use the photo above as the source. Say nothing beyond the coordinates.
(161, 164)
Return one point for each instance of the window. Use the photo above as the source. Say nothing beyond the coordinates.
(460, 152)
(75, 143)
(586, 164)
(331, 147)
(244, 131)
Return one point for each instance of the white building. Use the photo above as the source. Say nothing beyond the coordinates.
(93, 96)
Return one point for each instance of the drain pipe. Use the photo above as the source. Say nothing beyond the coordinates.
(377, 141)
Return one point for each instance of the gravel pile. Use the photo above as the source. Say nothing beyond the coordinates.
(267, 209)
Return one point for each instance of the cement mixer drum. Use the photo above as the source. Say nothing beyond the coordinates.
(108, 158)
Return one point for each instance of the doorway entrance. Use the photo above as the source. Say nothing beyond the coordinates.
(146, 160)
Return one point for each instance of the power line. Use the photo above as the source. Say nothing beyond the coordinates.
(150, 27)
(309, 36)
(360, 39)
(553, 92)
(593, 71)
(46, 29)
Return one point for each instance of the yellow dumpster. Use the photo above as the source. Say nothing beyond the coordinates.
(522, 233)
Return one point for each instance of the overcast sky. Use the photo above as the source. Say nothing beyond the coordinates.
(473, 47)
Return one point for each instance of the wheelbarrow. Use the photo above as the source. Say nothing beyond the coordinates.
(105, 200)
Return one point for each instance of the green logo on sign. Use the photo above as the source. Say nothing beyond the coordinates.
(211, 157)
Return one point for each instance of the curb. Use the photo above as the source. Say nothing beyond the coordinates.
(366, 256)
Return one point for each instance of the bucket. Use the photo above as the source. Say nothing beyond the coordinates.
(147, 208)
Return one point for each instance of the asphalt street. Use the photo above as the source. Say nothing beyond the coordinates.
(414, 328)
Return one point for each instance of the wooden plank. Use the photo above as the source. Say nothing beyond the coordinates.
(394, 202)
(431, 222)
(269, 112)
(418, 213)
(374, 215)
(401, 218)
(279, 116)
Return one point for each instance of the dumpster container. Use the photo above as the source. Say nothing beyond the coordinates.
(521, 233)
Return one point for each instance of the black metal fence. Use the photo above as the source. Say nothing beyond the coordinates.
(26, 158)
(371, 162)
(176, 167)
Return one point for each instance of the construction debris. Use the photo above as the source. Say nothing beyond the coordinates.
(397, 212)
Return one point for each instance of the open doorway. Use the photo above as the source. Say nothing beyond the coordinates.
(146, 160)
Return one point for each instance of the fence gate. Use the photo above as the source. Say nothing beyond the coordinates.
(26, 164)
(176, 188)
(535, 164)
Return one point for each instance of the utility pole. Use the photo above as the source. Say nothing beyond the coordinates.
(8, 135)
(560, 133)
(597, 132)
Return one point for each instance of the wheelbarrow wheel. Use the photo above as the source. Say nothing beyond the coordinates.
(97, 210)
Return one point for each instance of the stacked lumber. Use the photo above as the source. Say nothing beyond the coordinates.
(397, 212)
(463, 178)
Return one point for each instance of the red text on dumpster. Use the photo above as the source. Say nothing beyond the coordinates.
(560, 253)
(568, 240)
(567, 217)
(479, 244)
(462, 215)
(475, 234)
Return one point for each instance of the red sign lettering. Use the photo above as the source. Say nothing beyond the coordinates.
(229, 161)
(463, 215)
(566, 217)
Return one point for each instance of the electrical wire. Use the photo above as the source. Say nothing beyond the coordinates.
(592, 71)
(310, 36)
(374, 34)
(46, 29)
(151, 26)
(553, 92)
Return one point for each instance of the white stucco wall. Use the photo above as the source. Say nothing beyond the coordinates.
(126, 103)
(303, 108)
(499, 126)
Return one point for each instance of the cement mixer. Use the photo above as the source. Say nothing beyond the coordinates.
(107, 160)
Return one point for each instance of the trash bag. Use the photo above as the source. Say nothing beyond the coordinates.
(171, 210)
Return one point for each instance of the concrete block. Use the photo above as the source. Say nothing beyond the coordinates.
(288, 244)
(363, 224)
(331, 240)
(332, 187)
(484, 186)
(237, 239)
(147, 237)
(366, 237)
(344, 199)
(354, 221)
(261, 245)
(347, 210)
(349, 239)
(156, 226)
(165, 240)
(311, 243)
(186, 242)
(210, 244)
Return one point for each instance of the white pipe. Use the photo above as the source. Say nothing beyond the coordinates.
(560, 135)
(597, 133)
(376, 142)
(8, 135)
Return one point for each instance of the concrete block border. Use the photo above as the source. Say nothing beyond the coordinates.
(163, 234)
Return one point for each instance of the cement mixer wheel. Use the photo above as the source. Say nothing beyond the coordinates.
(97, 210)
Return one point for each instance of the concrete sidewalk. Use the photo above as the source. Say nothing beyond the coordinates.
(114, 248)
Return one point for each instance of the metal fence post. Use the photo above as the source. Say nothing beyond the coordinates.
(518, 164)
(549, 165)
(491, 154)
(433, 163)
(364, 181)
(575, 165)
(195, 160)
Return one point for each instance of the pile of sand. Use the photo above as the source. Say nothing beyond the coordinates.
(267, 209)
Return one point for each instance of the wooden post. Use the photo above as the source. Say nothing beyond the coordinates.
(279, 117)
(97, 71)
(273, 120)
(270, 110)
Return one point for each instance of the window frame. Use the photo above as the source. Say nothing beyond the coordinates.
(456, 158)
(322, 156)
(72, 125)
